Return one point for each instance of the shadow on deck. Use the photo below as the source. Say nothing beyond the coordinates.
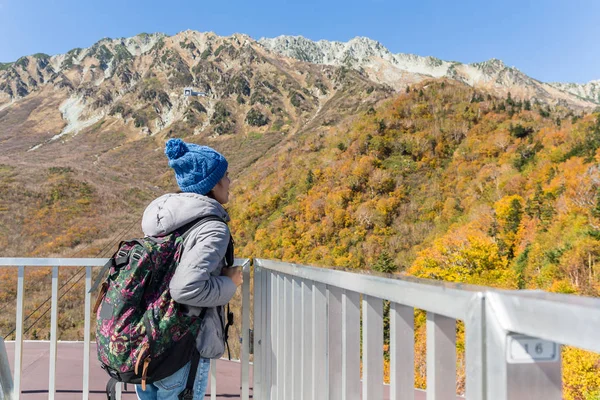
(69, 373)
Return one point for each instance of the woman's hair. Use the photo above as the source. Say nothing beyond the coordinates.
(209, 194)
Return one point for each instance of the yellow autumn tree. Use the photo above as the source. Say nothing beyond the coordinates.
(466, 257)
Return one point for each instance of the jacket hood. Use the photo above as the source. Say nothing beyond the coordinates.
(172, 211)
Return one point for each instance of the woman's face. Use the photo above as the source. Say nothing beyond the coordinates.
(221, 189)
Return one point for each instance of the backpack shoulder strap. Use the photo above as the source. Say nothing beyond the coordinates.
(117, 259)
(188, 392)
(111, 389)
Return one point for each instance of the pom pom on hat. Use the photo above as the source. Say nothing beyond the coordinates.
(175, 148)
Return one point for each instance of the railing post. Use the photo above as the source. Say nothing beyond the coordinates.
(281, 340)
(245, 350)
(350, 345)
(53, 334)
(6, 381)
(334, 342)
(266, 334)
(441, 357)
(319, 337)
(475, 374)
(372, 348)
(296, 339)
(86, 333)
(307, 341)
(257, 324)
(274, 331)
(402, 352)
(289, 344)
(19, 333)
(213, 379)
(518, 367)
(119, 391)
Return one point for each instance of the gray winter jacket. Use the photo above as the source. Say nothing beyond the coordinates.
(197, 282)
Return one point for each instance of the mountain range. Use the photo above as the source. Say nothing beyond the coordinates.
(97, 65)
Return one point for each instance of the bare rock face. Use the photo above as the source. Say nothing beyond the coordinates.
(588, 91)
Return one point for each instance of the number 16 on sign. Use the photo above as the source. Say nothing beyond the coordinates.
(521, 349)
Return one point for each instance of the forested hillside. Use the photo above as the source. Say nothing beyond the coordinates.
(444, 183)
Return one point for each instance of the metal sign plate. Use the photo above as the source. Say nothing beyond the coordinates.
(521, 349)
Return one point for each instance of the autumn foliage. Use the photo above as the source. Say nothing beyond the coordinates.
(454, 187)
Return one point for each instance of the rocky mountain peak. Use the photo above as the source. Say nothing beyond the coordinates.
(493, 64)
(399, 70)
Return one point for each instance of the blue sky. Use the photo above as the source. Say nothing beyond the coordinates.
(551, 40)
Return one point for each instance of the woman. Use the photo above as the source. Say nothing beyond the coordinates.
(202, 279)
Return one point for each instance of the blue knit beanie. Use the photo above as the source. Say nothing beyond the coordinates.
(197, 168)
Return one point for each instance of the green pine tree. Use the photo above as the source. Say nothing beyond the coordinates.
(385, 264)
(310, 179)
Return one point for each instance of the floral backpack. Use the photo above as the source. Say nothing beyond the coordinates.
(142, 334)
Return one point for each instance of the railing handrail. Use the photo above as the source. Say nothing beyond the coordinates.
(276, 265)
(444, 298)
(572, 320)
(51, 262)
(557, 316)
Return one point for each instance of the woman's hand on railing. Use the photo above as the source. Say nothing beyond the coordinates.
(235, 274)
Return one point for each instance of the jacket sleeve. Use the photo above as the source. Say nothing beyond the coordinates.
(193, 284)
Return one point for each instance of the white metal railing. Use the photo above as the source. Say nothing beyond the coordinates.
(12, 386)
(307, 340)
(307, 324)
(21, 263)
(307, 336)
